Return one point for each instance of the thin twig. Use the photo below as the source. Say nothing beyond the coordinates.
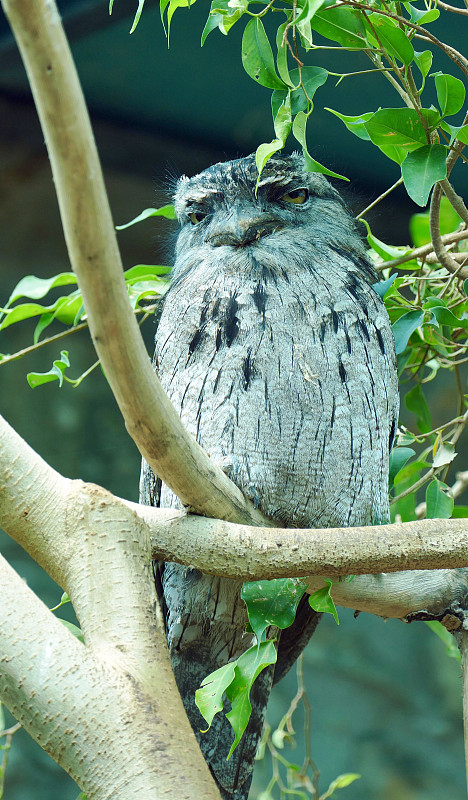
(453, 9)
(453, 54)
(42, 343)
(381, 197)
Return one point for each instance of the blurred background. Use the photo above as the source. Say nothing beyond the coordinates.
(386, 700)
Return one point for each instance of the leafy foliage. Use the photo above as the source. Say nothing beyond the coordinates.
(271, 605)
(146, 284)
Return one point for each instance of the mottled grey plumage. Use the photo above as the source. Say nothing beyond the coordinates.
(279, 357)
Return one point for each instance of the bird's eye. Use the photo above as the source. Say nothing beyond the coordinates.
(296, 196)
(196, 216)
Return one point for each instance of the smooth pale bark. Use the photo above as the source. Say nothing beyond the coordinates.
(418, 594)
(246, 552)
(86, 705)
(92, 246)
(88, 709)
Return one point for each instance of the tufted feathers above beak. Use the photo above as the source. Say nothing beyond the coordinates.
(239, 229)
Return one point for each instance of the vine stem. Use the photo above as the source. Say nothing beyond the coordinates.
(442, 253)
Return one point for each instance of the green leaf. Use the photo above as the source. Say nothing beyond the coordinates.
(209, 698)
(421, 169)
(63, 601)
(439, 504)
(56, 373)
(446, 317)
(399, 456)
(73, 629)
(223, 15)
(420, 16)
(308, 9)
(312, 79)
(322, 601)
(355, 124)
(446, 637)
(340, 783)
(144, 290)
(462, 134)
(386, 251)
(460, 512)
(68, 308)
(173, 6)
(391, 37)
(404, 327)
(257, 56)
(396, 126)
(343, 25)
(450, 93)
(36, 288)
(44, 321)
(248, 667)
(264, 152)
(424, 63)
(272, 603)
(282, 56)
(24, 311)
(299, 133)
(165, 211)
(445, 454)
(137, 16)
(415, 401)
(283, 121)
(282, 125)
(382, 287)
(394, 152)
(145, 272)
(214, 21)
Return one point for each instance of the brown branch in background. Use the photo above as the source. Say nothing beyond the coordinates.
(440, 250)
(453, 9)
(423, 251)
(461, 258)
(455, 200)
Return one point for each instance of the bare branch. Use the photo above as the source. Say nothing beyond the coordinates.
(56, 686)
(422, 252)
(250, 553)
(453, 9)
(149, 416)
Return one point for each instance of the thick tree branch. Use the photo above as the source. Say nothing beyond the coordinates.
(33, 503)
(84, 706)
(149, 416)
(250, 553)
(98, 550)
(410, 596)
